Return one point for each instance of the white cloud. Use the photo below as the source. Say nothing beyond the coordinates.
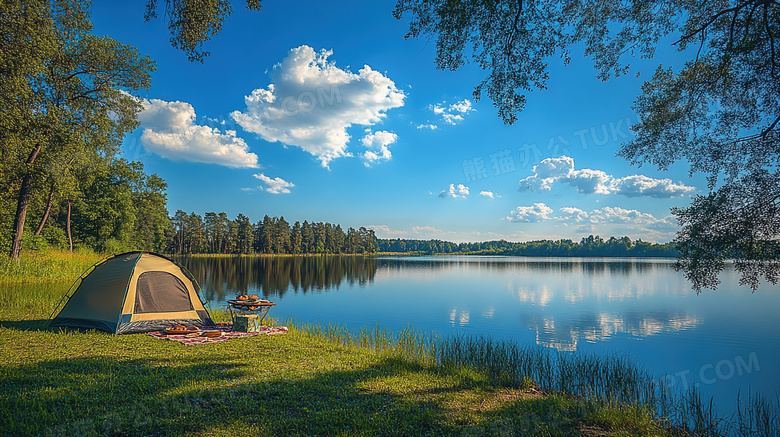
(427, 126)
(426, 229)
(169, 131)
(489, 194)
(452, 114)
(455, 192)
(276, 185)
(640, 185)
(385, 230)
(378, 142)
(587, 222)
(311, 103)
(574, 214)
(589, 181)
(617, 214)
(530, 214)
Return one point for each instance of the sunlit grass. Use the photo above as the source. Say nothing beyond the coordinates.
(46, 267)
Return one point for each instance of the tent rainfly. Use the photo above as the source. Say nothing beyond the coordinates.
(135, 292)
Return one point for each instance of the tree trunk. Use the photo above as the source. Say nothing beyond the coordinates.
(47, 210)
(21, 215)
(67, 226)
(21, 206)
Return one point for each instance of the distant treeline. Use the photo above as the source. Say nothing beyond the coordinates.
(588, 246)
(215, 233)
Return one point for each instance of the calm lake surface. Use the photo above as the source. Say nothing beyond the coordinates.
(726, 340)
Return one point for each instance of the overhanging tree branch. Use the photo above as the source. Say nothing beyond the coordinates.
(712, 20)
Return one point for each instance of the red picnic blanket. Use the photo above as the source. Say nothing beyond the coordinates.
(227, 334)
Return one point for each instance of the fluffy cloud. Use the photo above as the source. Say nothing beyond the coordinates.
(169, 131)
(530, 214)
(574, 214)
(489, 194)
(276, 185)
(640, 185)
(452, 114)
(620, 215)
(455, 192)
(385, 230)
(586, 221)
(311, 103)
(426, 229)
(589, 181)
(377, 143)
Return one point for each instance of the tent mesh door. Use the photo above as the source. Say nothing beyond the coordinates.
(160, 292)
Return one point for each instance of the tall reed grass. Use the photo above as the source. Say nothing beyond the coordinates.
(612, 380)
(46, 267)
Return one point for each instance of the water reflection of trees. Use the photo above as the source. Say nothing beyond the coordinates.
(589, 266)
(272, 276)
(224, 277)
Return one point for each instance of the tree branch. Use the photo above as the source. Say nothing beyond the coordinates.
(766, 131)
(771, 41)
(748, 21)
(711, 20)
(511, 37)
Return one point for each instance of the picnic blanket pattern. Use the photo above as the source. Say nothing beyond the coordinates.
(227, 334)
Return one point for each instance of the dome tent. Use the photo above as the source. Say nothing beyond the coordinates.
(135, 292)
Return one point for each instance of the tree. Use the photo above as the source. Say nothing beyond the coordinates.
(307, 238)
(64, 93)
(179, 222)
(319, 234)
(296, 239)
(338, 239)
(193, 22)
(267, 234)
(720, 111)
(213, 230)
(244, 234)
(282, 236)
(152, 225)
(119, 208)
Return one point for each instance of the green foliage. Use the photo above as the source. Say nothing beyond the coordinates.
(121, 208)
(272, 235)
(588, 246)
(193, 22)
(65, 106)
(514, 40)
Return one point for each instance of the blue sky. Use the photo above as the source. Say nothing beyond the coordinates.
(322, 111)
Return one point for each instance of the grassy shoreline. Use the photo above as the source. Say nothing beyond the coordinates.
(303, 383)
(324, 380)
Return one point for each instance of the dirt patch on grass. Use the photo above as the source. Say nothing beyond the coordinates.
(496, 399)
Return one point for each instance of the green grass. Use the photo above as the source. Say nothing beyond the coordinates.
(46, 267)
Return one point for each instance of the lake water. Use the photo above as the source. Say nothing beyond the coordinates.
(724, 341)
